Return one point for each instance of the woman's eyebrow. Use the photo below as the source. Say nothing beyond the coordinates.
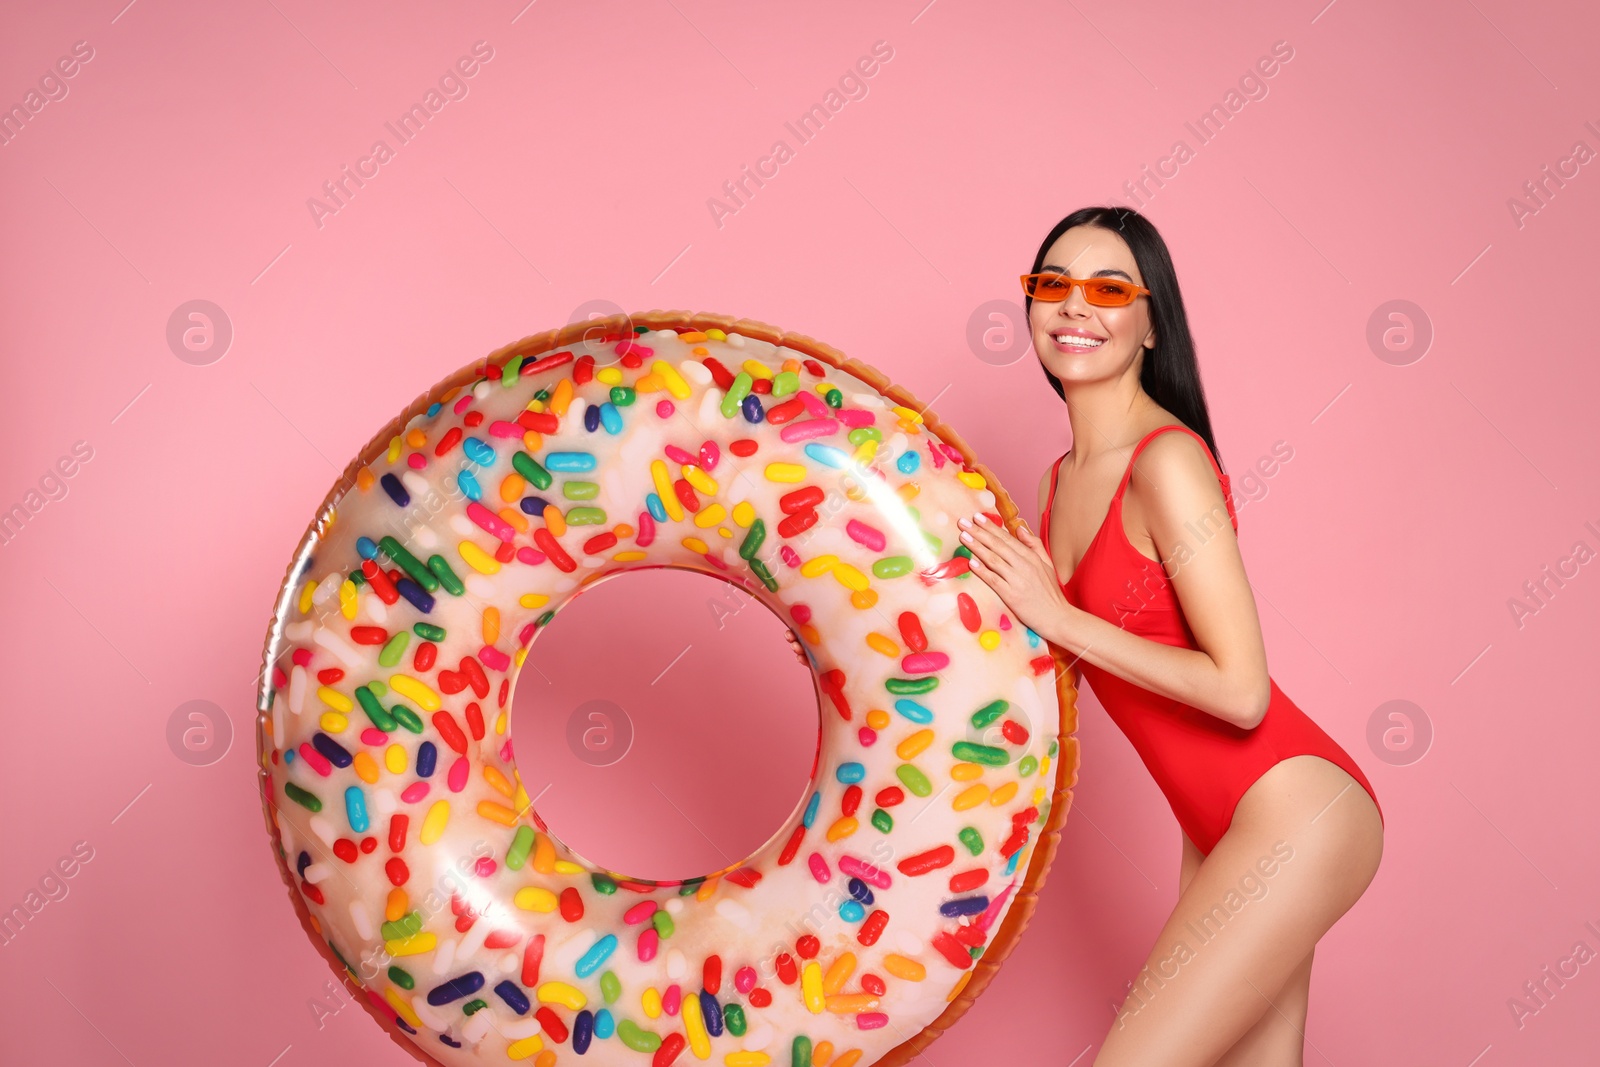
(1105, 273)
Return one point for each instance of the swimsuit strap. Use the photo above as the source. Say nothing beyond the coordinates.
(1127, 475)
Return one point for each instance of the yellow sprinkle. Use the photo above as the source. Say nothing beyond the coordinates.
(817, 565)
(394, 759)
(695, 1024)
(864, 453)
(497, 780)
(433, 822)
(1044, 765)
(334, 699)
(500, 724)
(882, 644)
(989, 639)
(398, 1003)
(629, 556)
(716, 334)
(746, 1058)
(907, 414)
(725, 532)
(562, 397)
(511, 487)
(305, 597)
(534, 898)
(900, 967)
(477, 558)
(608, 375)
(842, 828)
(497, 813)
(1038, 794)
(675, 383)
(911, 746)
(334, 722)
(877, 718)
(408, 686)
(491, 625)
(650, 1000)
(521, 1050)
(694, 544)
(849, 577)
(972, 478)
(710, 515)
(810, 987)
(744, 513)
(394, 448)
(366, 767)
(785, 472)
(1003, 794)
(699, 479)
(970, 797)
(414, 945)
(347, 599)
(966, 772)
(397, 905)
(563, 994)
(961, 983)
(568, 867)
(756, 368)
(663, 484)
(839, 973)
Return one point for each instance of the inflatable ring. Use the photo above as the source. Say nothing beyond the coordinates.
(869, 921)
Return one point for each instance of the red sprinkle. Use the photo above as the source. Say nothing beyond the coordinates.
(533, 955)
(711, 974)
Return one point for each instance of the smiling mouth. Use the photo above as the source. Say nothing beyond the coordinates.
(1077, 343)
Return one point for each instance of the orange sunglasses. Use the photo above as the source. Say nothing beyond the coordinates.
(1102, 292)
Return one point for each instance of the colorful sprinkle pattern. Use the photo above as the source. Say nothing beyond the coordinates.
(389, 774)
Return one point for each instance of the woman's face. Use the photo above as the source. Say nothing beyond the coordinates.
(1076, 340)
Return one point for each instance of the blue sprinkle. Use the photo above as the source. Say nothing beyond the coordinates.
(355, 809)
(417, 595)
(653, 503)
(478, 450)
(611, 418)
(851, 912)
(964, 906)
(427, 759)
(913, 711)
(433, 409)
(302, 863)
(604, 1024)
(811, 809)
(1033, 638)
(514, 997)
(469, 485)
(288, 755)
(396, 491)
(447, 1039)
(569, 461)
(463, 986)
(533, 505)
(598, 953)
(908, 462)
(750, 408)
(712, 1012)
(335, 752)
(1011, 864)
(582, 1031)
(828, 456)
(591, 422)
(367, 547)
(850, 772)
(859, 890)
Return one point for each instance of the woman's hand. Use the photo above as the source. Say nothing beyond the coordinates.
(1019, 571)
(799, 649)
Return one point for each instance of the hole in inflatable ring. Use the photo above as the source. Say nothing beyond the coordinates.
(663, 725)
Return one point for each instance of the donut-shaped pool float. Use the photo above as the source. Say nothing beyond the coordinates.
(871, 919)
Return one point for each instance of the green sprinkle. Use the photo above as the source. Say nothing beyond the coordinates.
(865, 433)
(621, 395)
(393, 649)
(544, 620)
(580, 490)
(800, 1051)
(409, 563)
(785, 382)
(834, 398)
(447, 577)
(1051, 751)
(988, 755)
(972, 839)
(306, 800)
(369, 701)
(891, 566)
(521, 845)
(530, 469)
(733, 1019)
(911, 685)
(542, 395)
(736, 394)
(765, 575)
(1027, 766)
(402, 978)
(603, 884)
(663, 923)
(403, 927)
(379, 690)
(610, 986)
(913, 780)
(989, 713)
(586, 516)
(358, 579)
(752, 539)
(428, 631)
(882, 821)
(636, 1038)
(407, 718)
(475, 1005)
(508, 378)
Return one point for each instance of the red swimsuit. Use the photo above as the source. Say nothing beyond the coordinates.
(1202, 763)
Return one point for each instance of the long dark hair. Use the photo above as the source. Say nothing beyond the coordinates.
(1170, 373)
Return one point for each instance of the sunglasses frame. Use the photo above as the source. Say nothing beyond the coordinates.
(1138, 290)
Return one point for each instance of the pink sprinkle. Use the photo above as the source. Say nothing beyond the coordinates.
(502, 428)
(490, 521)
(529, 556)
(639, 913)
(315, 760)
(924, 662)
(867, 736)
(526, 633)
(678, 455)
(809, 429)
(800, 613)
(647, 530)
(992, 912)
(937, 457)
(871, 1020)
(458, 774)
(814, 404)
(819, 868)
(649, 942)
(485, 866)
(381, 1004)
(953, 452)
(710, 454)
(790, 557)
(625, 348)
(493, 658)
(416, 461)
(855, 418)
(665, 408)
(463, 403)
(1005, 621)
(744, 979)
(672, 999)
(373, 736)
(716, 561)
(505, 752)
(863, 870)
(414, 792)
(870, 536)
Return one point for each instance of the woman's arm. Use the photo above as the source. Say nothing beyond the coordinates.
(1181, 501)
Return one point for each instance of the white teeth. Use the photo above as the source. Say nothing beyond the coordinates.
(1080, 342)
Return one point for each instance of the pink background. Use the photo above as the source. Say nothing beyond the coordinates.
(1419, 499)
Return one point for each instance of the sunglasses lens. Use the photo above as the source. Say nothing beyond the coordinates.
(1108, 292)
(1048, 287)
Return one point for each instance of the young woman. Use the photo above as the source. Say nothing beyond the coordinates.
(1137, 576)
